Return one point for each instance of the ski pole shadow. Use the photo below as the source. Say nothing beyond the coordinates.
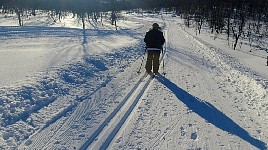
(84, 44)
(211, 113)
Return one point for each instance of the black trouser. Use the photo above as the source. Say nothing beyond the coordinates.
(152, 57)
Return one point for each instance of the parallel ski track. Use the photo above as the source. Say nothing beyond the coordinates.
(112, 124)
(106, 132)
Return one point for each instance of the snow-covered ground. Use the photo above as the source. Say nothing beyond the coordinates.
(67, 88)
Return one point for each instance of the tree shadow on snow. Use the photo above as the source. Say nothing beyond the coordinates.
(210, 113)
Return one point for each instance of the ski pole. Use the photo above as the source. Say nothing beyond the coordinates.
(164, 52)
(139, 71)
(164, 73)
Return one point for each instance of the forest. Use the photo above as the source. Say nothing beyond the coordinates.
(236, 18)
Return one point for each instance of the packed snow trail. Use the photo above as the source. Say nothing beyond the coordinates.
(119, 116)
(105, 134)
(199, 104)
(72, 128)
(206, 101)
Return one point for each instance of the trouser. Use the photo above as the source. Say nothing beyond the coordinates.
(152, 60)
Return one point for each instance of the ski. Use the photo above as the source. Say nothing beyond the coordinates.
(144, 76)
(151, 74)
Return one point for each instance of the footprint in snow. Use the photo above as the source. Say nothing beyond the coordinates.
(194, 136)
(182, 131)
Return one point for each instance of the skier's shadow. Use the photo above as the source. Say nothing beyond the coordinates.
(210, 113)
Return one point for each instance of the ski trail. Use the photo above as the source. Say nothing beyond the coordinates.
(109, 128)
(165, 134)
(74, 128)
(107, 132)
(194, 93)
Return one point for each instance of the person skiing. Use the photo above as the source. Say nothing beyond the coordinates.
(154, 40)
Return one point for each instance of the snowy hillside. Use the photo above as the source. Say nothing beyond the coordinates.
(67, 88)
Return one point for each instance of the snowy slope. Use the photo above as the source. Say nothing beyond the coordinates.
(202, 103)
(93, 98)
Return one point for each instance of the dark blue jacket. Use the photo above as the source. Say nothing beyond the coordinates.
(154, 39)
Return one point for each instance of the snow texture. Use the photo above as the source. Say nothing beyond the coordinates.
(64, 87)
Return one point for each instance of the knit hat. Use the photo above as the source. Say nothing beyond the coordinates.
(155, 25)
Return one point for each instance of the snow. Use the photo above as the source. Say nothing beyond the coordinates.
(64, 87)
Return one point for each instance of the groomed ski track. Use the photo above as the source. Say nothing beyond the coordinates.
(96, 125)
(108, 130)
(102, 137)
(95, 121)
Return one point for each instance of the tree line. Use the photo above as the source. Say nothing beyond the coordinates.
(79, 7)
(237, 18)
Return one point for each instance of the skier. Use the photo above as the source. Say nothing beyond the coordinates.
(154, 40)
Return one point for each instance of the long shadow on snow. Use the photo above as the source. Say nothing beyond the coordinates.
(210, 113)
